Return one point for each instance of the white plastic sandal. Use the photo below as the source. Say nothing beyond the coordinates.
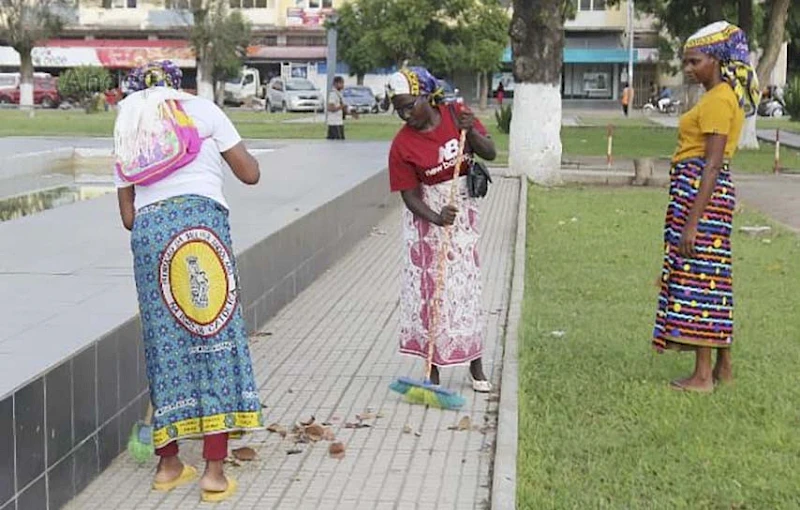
(481, 386)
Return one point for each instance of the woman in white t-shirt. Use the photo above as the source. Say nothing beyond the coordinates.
(195, 341)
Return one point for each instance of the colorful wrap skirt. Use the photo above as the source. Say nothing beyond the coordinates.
(695, 304)
(458, 325)
(195, 341)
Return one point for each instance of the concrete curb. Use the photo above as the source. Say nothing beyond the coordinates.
(504, 483)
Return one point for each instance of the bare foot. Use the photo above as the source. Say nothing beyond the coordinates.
(169, 469)
(213, 479)
(723, 374)
(693, 384)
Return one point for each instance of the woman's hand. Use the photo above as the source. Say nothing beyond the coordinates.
(465, 120)
(447, 216)
(686, 245)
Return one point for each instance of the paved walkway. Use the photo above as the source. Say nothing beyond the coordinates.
(332, 354)
(777, 196)
(788, 138)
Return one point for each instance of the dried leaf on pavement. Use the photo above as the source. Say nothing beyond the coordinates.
(357, 425)
(277, 428)
(336, 450)
(244, 453)
(463, 424)
(407, 429)
(308, 422)
(315, 432)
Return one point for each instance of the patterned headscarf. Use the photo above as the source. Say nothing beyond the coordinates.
(728, 44)
(416, 81)
(164, 73)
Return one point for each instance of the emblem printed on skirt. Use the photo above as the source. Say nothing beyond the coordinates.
(198, 282)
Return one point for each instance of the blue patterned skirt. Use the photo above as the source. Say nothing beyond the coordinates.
(198, 361)
(695, 305)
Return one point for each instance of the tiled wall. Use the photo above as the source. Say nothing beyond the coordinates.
(60, 430)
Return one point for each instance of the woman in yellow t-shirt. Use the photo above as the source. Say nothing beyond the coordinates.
(695, 305)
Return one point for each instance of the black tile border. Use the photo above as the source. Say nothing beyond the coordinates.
(102, 409)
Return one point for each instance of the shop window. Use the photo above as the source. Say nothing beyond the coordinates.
(314, 4)
(119, 4)
(591, 5)
(252, 4)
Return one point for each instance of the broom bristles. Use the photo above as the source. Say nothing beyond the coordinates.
(140, 450)
(416, 392)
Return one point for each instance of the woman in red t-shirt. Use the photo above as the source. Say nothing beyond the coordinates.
(421, 163)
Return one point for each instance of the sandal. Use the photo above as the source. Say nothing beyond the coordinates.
(481, 386)
(217, 496)
(188, 474)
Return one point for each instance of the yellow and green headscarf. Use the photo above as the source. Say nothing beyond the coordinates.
(728, 44)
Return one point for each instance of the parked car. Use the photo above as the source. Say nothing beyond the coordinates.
(45, 92)
(451, 94)
(293, 95)
(360, 99)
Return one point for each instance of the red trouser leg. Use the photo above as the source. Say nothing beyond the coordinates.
(170, 450)
(215, 446)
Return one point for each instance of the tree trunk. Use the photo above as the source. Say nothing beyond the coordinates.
(26, 79)
(205, 80)
(749, 137)
(715, 11)
(777, 31)
(219, 93)
(483, 91)
(537, 43)
(360, 79)
(746, 18)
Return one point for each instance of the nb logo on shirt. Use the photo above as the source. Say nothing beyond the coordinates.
(448, 151)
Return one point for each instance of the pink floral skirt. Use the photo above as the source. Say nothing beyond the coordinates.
(458, 337)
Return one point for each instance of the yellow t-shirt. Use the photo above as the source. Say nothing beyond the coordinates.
(717, 113)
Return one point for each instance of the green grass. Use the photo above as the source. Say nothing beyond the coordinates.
(655, 142)
(631, 139)
(598, 426)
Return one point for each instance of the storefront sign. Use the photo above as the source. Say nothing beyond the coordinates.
(300, 17)
(111, 57)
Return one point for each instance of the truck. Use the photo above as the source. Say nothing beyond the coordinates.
(247, 86)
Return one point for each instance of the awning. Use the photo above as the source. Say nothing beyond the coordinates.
(286, 53)
(599, 55)
(113, 54)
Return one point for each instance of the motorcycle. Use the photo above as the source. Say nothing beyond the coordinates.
(670, 107)
(771, 107)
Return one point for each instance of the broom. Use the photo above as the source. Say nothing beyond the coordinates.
(140, 444)
(423, 392)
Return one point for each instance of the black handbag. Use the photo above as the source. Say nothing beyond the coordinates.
(478, 178)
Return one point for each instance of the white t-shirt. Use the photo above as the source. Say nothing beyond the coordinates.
(335, 118)
(203, 176)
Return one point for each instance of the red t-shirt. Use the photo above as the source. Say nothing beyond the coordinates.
(428, 158)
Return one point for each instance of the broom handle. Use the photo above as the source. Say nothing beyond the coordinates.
(441, 266)
(148, 416)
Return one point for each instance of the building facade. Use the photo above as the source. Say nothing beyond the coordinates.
(596, 54)
(288, 36)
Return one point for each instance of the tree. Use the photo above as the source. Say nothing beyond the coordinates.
(356, 44)
(483, 34)
(444, 35)
(680, 18)
(83, 84)
(219, 39)
(776, 36)
(537, 45)
(22, 24)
